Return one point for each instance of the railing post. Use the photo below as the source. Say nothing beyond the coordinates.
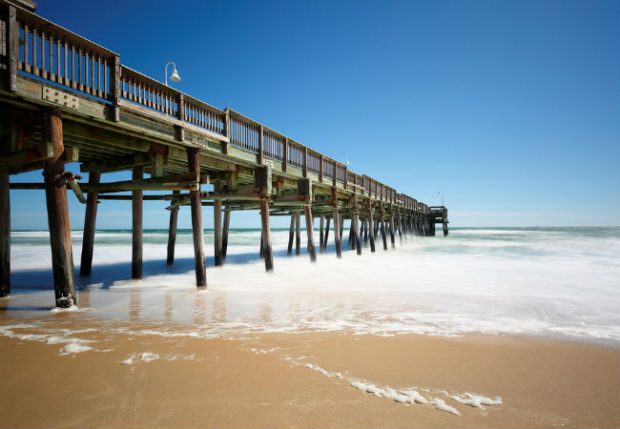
(180, 129)
(346, 173)
(261, 155)
(321, 169)
(305, 162)
(116, 87)
(335, 178)
(12, 48)
(227, 132)
(285, 157)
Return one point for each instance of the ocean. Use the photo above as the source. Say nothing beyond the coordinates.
(558, 282)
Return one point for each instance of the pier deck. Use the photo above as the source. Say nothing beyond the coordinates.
(65, 99)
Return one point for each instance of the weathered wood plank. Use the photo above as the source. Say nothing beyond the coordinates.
(291, 235)
(310, 232)
(90, 219)
(172, 232)
(58, 212)
(217, 232)
(266, 234)
(136, 228)
(5, 234)
(225, 231)
(193, 161)
(337, 232)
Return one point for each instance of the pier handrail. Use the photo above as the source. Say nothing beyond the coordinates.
(44, 50)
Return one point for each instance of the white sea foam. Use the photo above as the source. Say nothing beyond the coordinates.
(441, 405)
(74, 347)
(407, 395)
(49, 336)
(495, 281)
(260, 351)
(148, 357)
(65, 310)
(476, 401)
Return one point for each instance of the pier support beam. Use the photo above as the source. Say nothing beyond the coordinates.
(322, 233)
(172, 232)
(310, 232)
(337, 240)
(291, 234)
(217, 232)
(371, 231)
(297, 234)
(193, 160)
(266, 234)
(383, 236)
(392, 230)
(90, 222)
(356, 233)
(5, 234)
(445, 229)
(326, 234)
(225, 231)
(58, 211)
(136, 229)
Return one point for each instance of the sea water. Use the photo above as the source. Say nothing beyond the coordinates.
(542, 281)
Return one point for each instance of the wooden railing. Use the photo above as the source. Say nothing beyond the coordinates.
(53, 53)
(148, 92)
(33, 46)
(328, 168)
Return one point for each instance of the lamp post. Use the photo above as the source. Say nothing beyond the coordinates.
(174, 76)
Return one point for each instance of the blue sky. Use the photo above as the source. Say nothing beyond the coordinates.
(510, 109)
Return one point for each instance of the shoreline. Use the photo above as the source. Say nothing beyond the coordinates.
(309, 379)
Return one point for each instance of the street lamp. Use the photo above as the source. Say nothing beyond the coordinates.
(174, 76)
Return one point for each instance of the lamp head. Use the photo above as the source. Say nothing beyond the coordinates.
(174, 76)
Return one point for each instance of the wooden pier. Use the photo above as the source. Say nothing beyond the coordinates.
(65, 99)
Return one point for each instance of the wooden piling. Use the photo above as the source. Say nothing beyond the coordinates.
(136, 228)
(336, 217)
(322, 233)
(291, 235)
(172, 232)
(297, 234)
(217, 232)
(351, 235)
(327, 222)
(356, 233)
(58, 211)
(391, 223)
(309, 232)
(371, 231)
(266, 234)
(225, 232)
(5, 234)
(193, 160)
(383, 235)
(90, 221)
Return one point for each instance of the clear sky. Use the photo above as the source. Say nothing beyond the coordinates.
(510, 109)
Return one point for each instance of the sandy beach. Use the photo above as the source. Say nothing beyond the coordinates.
(306, 380)
(508, 337)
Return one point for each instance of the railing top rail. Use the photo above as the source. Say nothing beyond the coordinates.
(49, 26)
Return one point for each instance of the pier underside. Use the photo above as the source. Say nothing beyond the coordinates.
(64, 99)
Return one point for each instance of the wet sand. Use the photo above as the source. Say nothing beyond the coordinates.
(294, 379)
